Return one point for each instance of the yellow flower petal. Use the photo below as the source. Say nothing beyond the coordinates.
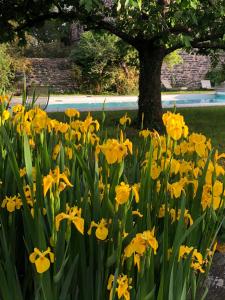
(137, 213)
(52, 257)
(47, 183)
(79, 223)
(65, 179)
(32, 257)
(42, 264)
(101, 233)
(10, 205)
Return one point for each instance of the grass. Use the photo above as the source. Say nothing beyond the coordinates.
(208, 120)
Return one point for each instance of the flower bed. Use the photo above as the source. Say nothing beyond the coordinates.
(84, 216)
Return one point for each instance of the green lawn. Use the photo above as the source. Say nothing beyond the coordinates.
(208, 120)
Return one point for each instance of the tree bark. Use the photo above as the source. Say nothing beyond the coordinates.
(149, 102)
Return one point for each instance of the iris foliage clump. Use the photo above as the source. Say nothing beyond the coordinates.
(84, 216)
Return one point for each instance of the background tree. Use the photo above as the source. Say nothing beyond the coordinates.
(52, 38)
(51, 31)
(155, 28)
(95, 54)
(104, 63)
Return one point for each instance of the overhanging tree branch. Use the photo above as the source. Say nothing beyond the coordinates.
(102, 24)
(209, 45)
(91, 21)
(37, 20)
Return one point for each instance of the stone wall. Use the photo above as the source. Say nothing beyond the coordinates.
(188, 74)
(57, 73)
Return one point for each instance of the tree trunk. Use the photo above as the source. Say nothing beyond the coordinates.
(149, 102)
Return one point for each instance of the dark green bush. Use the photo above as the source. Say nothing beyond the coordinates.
(6, 68)
(102, 63)
(216, 75)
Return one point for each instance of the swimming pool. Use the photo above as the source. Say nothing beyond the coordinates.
(91, 103)
(94, 106)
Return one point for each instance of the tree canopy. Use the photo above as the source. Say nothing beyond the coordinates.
(171, 23)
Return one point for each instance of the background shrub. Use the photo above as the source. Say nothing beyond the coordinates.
(12, 66)
(216, 75)
(6, 68)
(102, 63)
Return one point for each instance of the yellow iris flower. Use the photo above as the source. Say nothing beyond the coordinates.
(125, 119)
(89, 124)
(115, 151)
(122, 193)
(72, 112)
(197, 261)
(175, 125)
(101, 229)
(56, 178)
(5, 115)
(12, 203)
(42, 263)
(73, 215)
(139, 245)
(123, 286)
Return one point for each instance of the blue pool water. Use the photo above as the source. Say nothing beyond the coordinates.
(178, 100)
(94, 106)
(199, 99)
